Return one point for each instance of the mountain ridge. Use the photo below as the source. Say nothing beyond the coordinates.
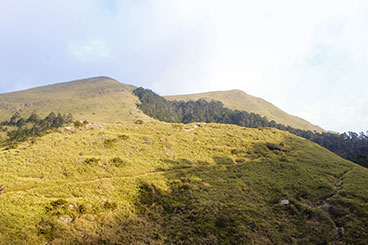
(97, 99)
(150, 182)
(87, 98)
(239, 100)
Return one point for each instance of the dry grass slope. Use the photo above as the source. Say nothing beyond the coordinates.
(239, 100)
(159, 183)
(99, 99)
(106, 100)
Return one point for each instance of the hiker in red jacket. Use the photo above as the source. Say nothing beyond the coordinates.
(1, 189)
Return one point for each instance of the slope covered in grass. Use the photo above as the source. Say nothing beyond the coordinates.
(97, 99)
(350, 146)
(106, 100)
(163, 183)
(239, 100)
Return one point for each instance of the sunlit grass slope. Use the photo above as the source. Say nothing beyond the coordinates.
(106, 100)
(98, 99)
(239, 100)
(156, 183)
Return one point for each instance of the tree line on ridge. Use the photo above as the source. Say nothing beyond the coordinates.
(350, 145)
(32, 126)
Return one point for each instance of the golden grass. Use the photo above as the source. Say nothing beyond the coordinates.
(229, 171)
(98, 99)
(238, 100)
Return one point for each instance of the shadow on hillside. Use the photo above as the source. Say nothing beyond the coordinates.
(222, 203)
(188, 210)
(228, 203)
(221, 160)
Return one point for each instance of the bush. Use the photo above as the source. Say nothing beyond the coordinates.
(82, 209)
(118, 162)
(57, 207)
(140, 122)
(279, 147)
(92, 161)
(123, 137)
(78, 124)
(60, 203)
(109, 142)
(110, 205)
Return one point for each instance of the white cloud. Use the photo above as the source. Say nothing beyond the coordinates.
(307, 57)
(89, 51)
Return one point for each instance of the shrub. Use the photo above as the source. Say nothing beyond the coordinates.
(82, 209)
(275, 147)
(60, 203)
(57, 207)
(78, 124)
(92, 161)
(110, 205)
(109, 142)
(140, 122)
(117, 161)
(123, 137)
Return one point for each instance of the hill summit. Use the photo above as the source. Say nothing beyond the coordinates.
(106, 100)
(100, 99)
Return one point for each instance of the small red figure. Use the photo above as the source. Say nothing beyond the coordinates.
(1, 189)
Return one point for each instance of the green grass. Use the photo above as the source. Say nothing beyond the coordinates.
(162, 183)
(238, 100)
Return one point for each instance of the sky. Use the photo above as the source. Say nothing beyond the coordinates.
(307, 57)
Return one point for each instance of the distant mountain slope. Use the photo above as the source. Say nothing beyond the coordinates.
(106, 100)
(99, 99)
(239, 100)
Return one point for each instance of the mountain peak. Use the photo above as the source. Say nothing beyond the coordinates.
(102, 99)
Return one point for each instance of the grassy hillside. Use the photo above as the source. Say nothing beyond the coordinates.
(238, 100)
(96, 99)
(106, 100)
(161, 183)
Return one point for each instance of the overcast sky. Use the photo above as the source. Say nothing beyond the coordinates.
(308, 57)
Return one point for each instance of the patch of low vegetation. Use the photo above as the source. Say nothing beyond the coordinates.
(139, 122)
(118, 162)
(92, 161)
(78, 124)
(110, 205)
(109, 142)
(123, 137)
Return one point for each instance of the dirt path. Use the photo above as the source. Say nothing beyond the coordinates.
(324, 204)
(29, 191)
